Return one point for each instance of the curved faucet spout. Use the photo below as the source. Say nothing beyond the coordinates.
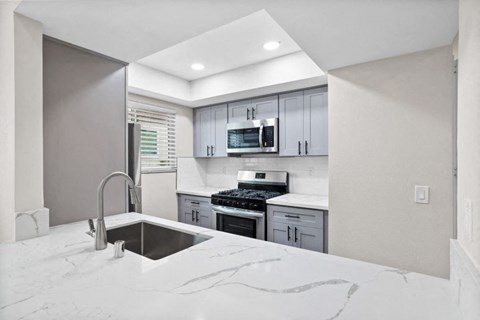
(101, 232)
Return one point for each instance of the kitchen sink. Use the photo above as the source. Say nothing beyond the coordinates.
(152, 241)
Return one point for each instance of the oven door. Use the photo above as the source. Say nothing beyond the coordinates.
(255, 136)
(240, 222)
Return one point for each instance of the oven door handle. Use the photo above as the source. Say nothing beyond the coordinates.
(238, 213)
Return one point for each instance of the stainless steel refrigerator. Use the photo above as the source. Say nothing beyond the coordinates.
(134, 162)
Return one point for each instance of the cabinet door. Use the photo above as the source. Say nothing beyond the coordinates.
(203, 218)
(203, 132)
(239, 111)
(219, 131)
(316, 122)
(280, 233)
(188, 216)
(291, 124)
(308, 238)
(264, 108)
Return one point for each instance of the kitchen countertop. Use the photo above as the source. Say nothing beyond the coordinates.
(298, 200)
(61, 276)
(200, 191)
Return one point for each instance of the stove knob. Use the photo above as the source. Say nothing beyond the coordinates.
(228, 203)
(244, 205)
(219, 202)
(253, 206)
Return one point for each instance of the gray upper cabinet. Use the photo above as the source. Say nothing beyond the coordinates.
(316, 121)
(264, 108)
(239, 111)
(291, 124)
(256, 109)
(210, 131)
(303, 119)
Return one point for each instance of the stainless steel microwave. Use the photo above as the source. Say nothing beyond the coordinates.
(255, 136)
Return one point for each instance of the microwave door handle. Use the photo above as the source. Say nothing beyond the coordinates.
(260, 136)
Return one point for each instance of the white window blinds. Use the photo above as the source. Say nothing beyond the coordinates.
(157, 144)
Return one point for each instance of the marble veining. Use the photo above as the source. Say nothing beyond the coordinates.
(61, 276)
(30, 224)
(466, 281)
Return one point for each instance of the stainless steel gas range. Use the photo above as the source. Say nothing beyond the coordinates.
(242, 211)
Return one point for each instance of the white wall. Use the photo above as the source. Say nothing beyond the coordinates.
(469, 128)
(391, 129)
(308, 175)
(290, 72)
(160, 85)
(159, 189)
(28, 114)
(254, 79)
(7, 121)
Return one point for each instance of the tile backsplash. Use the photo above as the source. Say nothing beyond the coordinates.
(307, 175)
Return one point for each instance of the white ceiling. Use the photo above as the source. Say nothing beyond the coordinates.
(236, 44)
(333, 33)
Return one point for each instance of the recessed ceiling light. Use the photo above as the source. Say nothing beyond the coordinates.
(197, 66)
(271, 45)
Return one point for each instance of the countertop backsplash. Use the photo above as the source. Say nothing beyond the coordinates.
(307, 175)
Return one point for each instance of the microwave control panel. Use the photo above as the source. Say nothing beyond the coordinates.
(268, 137)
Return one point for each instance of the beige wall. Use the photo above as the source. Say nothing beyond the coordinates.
(391, 129)
(159, 189)
(28, 114)
(469, 128)
(7, 121)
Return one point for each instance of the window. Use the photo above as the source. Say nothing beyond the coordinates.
(157, 142)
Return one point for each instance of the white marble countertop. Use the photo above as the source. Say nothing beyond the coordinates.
(203, 191)
(61, 276)
(306, 201)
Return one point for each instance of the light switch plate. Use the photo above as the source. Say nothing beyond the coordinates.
(422, 194)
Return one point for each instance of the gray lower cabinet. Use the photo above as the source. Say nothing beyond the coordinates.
(303, 121)
(253, 109)
(296, 227)
(195, 210)
(210, 125)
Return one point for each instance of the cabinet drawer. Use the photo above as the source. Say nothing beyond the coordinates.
(306, 217)
(195, 202)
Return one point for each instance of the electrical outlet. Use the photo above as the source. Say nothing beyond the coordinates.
(469, 219)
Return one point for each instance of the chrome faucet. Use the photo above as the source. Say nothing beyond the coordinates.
(101, 232)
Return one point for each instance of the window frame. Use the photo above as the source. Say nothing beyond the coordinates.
(167, 112)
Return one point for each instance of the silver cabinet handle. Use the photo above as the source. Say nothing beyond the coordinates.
(296, 234)
(299, 148)
(288, 233)
(290, 216)
(211, 148)
(193, 215)
(248, 113)
(208, 151)
(197, 215)
(306, 147)
(253, 113)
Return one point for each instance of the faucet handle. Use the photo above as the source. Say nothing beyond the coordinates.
(91, 233)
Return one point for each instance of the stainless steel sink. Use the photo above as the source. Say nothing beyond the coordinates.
(153, 241)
